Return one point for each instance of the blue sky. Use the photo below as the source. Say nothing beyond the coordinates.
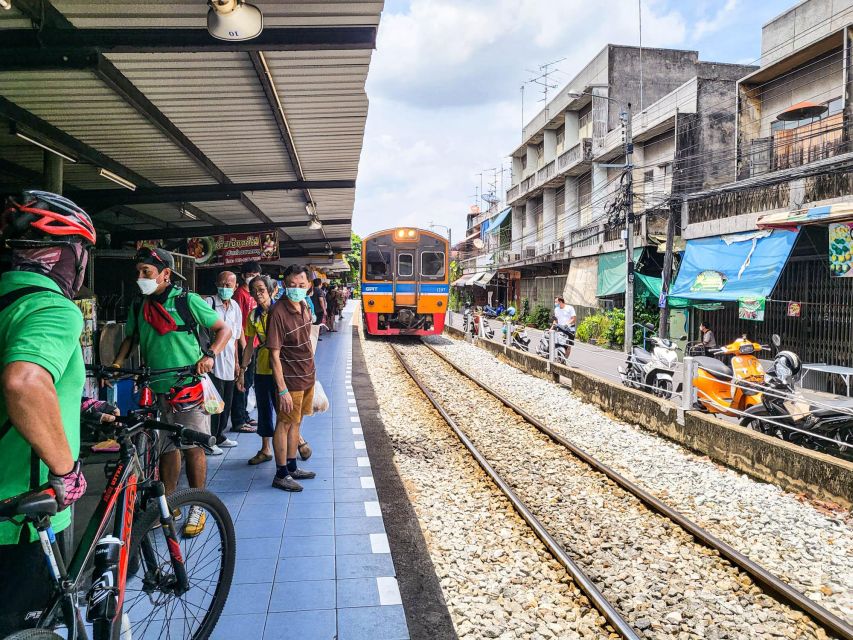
(444, 85)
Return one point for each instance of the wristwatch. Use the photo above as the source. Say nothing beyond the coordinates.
(209, 353)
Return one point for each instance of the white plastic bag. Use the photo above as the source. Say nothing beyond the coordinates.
(321, 401)
(213, 402)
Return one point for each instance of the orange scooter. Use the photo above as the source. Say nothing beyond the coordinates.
(730, 389)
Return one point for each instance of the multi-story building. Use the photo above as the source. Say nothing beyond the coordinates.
(564, 228)
(791, 196)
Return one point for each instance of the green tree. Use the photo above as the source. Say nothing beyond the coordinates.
(353, 259)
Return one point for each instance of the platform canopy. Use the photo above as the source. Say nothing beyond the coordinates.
(207, 134)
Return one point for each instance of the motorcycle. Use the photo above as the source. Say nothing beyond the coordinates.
(732, 387)
(493, 312)
(488, 332)
(786, 406)
(467, 321)
(564, 338)
(519, 338)
(653, 370)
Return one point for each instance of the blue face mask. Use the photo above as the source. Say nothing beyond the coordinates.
(225, 292)
(295, 294)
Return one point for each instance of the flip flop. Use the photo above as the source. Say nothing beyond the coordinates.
(244, 428)
(260, 458)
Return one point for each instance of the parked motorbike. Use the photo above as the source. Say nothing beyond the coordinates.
(467, 321)
(488, 332)
(785, 405)
(493, 312)
(564, 338)
(732, 385)
(519, 339)
(653, 370)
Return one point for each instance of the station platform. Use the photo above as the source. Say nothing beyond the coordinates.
(314, 565)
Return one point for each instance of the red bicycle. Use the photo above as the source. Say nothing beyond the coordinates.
(133, 575)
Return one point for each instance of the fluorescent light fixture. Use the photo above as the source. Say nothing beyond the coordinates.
(44, 146)
(109, 175)
(311, 208)
(315, 223)
(190, 215)
(234, 20)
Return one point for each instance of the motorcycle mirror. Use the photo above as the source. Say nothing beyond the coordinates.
(650, 326)
(682, 338)
(776, 340)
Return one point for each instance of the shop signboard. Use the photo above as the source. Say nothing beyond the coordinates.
(751, 309)
(841, 249)
(794, 309)
(233, 248)
(709, 281)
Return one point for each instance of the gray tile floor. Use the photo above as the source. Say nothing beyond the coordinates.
(313, 565)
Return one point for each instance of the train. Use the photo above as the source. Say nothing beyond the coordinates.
(404, 282)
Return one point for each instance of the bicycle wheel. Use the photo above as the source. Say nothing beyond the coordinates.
(152, 607)
(34, 634)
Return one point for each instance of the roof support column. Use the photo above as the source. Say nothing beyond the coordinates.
(571, 210)
(549, 218)
(53, 172)
(517, 227)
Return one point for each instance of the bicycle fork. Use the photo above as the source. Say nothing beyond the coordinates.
(180, 582)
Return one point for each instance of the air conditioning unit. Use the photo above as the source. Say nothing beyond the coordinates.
(554, 247)
(516, 256)
(529, 252)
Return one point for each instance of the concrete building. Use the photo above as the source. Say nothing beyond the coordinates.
(793, 156)
(564, 193)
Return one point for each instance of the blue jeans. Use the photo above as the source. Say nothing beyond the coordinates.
(239, 415)
(265, 396)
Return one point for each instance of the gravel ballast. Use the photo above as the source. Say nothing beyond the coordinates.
(806, 545)
(498, 579)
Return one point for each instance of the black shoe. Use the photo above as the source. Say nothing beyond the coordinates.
(286, 484)
(302, 474)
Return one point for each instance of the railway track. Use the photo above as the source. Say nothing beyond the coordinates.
(532, 500)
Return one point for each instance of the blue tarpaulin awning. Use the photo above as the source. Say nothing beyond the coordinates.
(743, 265)
(495, 223)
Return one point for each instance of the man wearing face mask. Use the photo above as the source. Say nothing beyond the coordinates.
(42, 376)
(164, 325)
(225, 368)
(240, 420)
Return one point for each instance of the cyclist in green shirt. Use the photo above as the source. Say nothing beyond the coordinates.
(41, 377)
(165, 327)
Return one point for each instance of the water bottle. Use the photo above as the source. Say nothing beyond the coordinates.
(103, 595)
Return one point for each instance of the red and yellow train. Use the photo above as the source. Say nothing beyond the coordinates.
(404, 282)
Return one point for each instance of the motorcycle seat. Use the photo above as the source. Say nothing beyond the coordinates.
(714, 367)
(641, 355)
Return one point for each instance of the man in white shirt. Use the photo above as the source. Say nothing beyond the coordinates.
(565, 313)
(225, 367)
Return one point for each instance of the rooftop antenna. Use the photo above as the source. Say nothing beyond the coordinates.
(544, 80)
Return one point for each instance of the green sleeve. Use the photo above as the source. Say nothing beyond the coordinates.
(48, 338)
(130, 325)
(202, 312)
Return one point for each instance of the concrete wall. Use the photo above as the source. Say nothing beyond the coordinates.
(801, 25)
(762, 457)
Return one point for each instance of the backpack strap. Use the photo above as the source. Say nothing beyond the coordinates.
(13, 296)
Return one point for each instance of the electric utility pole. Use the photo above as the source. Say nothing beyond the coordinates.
(625, 117)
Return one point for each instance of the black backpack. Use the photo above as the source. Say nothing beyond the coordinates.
(190, 324)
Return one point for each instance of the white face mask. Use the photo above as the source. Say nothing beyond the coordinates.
(147, 285)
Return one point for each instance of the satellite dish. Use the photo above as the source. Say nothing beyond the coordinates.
(234, 20)
(479, 243)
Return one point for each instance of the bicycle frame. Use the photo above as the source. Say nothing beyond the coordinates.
(119, 497)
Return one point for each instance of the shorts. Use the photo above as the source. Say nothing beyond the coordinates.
(197, 420)
(303, 405)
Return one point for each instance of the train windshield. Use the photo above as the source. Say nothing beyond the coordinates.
(405, 265)
(432, 264)
(378, 259)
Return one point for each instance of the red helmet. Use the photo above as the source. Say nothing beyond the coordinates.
(43, 218)
(186, 397)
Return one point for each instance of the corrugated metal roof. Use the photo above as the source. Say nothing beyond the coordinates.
(217, 101)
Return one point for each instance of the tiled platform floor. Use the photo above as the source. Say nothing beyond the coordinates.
(313, 565)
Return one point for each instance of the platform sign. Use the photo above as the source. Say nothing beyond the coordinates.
(234, 248)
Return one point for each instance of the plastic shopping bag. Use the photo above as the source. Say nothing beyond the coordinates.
(321, 401)
(213, 402)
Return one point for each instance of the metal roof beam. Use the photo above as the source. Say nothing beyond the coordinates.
(52, 46)
(201, 193)
(192, 232)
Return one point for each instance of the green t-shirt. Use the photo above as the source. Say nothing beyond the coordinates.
(178, 348)
(42, 328)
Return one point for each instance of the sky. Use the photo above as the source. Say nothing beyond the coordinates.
(444, 87)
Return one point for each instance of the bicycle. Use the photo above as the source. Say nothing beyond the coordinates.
(138, 579)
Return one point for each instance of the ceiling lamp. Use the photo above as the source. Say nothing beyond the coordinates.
(315, 223)
(124, 182)
(802, 111)
(44, 146)
(234, 20)
(311, 208)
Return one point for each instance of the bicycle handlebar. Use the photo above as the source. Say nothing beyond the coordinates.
(184, 434)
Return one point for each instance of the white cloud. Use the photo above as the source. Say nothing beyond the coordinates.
(444, 89)
(719, 20)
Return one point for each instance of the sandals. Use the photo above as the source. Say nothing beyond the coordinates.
(244, 428)
(304, 450)
(259, 458)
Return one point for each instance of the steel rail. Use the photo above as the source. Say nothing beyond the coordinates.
(586, 585)
(786, 593)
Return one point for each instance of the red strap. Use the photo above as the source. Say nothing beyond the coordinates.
(156, 315)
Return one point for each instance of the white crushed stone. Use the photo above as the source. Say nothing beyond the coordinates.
(808, 547)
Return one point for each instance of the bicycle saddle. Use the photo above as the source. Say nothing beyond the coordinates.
(34, 504)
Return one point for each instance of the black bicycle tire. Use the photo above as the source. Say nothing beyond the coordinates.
(34, 634)
(214, 505)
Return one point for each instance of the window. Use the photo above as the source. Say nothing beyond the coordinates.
(405, 265)
(524, 161)
(378, 259)
(432, 264)
(561, 136)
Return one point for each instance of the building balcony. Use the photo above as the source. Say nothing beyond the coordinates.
(569, 163)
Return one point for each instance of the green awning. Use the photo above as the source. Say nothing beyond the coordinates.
(648, 289)
(612, 271)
